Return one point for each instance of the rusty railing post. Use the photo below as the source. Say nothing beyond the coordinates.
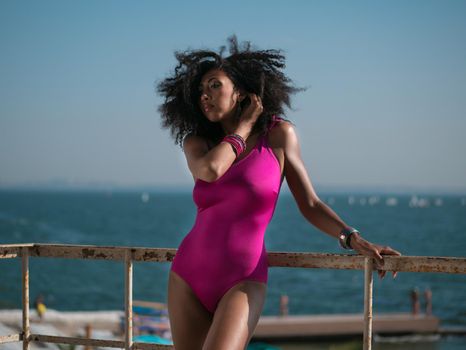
(25, 283)
(368, 282)
(128, 299)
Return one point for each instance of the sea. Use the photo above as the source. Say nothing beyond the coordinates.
(416, 224)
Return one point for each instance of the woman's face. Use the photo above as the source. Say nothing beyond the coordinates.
(218, 96)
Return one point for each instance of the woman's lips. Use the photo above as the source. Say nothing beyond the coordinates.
(206, 106)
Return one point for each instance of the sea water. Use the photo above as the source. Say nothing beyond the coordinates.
(414, 224)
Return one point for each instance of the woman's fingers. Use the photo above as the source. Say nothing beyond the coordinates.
(378, 257)
(256, 101)
(254, 108)
(380, 261)
(255, 98)
(389, 251)
(382, 273)
(377, 252)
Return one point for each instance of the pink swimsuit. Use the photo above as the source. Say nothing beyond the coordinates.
(226, 244)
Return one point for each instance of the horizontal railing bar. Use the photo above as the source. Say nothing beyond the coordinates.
(18, 245)
(90, 252)
(275, 259)
(95, 342)
(356, 262)
(10, 338)
(8, 251)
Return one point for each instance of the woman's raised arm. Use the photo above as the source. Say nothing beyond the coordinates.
(209, 165)
(201, 161)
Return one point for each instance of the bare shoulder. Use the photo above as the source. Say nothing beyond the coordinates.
(194, 144)
(281, 133)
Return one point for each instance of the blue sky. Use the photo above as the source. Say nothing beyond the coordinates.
(385, 105)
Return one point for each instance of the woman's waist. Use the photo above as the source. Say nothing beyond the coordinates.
(223, 240)
(220, 252)
(224, 235)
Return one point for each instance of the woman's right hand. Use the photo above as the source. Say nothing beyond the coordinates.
(252, 111)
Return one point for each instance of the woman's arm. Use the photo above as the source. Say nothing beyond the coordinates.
(209, 165)
(313, 209)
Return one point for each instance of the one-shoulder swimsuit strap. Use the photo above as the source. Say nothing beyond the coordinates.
(275, 120)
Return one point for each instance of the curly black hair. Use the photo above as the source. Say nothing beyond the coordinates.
(255, 71)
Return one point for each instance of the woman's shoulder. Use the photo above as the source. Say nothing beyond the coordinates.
(278, 121)
(280, 126)
(195, 142)
(280, 131)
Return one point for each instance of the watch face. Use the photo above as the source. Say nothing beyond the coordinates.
(342, 241)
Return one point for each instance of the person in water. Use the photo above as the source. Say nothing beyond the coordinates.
(226, 113)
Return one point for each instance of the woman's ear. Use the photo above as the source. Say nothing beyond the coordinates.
(242, 95)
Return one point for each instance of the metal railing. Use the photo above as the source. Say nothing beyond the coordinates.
(130, 254)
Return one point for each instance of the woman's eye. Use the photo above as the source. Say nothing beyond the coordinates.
(212, 86)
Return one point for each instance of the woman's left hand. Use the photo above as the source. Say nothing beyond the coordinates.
(375, 251)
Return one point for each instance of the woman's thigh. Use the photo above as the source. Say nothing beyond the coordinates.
(189, 320)
(236, 317)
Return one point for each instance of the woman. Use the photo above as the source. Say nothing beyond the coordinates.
(224, 114)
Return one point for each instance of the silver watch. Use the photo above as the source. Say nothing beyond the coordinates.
(345, 236)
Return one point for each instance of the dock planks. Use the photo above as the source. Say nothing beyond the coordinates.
(303, 326)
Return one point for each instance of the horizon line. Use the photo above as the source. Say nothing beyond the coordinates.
(322, 188)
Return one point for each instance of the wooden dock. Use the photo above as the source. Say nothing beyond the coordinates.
(347, 325)
(269, 327)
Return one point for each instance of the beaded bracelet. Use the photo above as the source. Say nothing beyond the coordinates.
(240, 139)
(237, 142)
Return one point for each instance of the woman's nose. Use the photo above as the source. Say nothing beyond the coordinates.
(204, 96)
